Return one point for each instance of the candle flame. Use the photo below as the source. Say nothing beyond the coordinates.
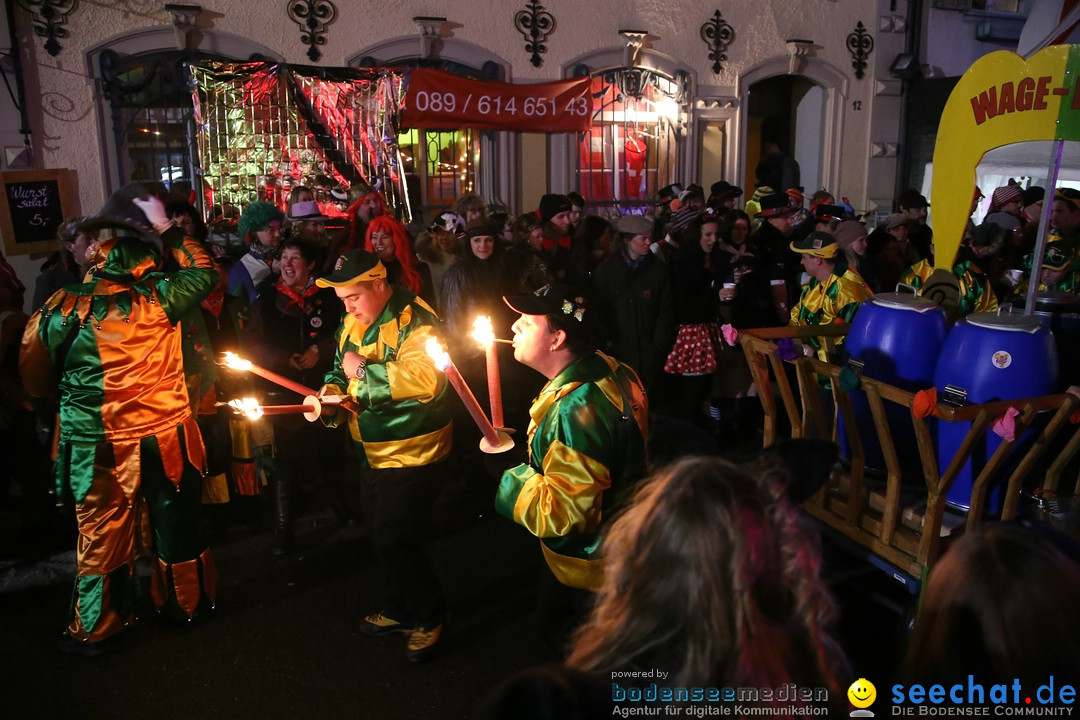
(247, 406)
(440, 356)
(235, 362)
(482, 332)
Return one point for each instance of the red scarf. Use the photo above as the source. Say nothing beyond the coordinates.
(294, 298)
(550, 243)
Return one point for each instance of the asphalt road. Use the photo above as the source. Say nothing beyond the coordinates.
(284, 641)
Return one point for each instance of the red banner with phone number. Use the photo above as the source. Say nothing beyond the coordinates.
(439, 100)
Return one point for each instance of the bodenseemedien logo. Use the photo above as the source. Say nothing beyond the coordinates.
(862, 694)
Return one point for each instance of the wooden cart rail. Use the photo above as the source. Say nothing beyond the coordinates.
(899, 521)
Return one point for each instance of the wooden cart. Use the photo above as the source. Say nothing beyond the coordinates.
(904, 523)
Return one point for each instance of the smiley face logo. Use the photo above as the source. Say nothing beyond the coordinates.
(862, 693)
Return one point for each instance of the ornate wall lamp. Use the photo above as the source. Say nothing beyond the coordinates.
(860, 44)
(48, 17)
(717, 34)
(312, 16)
(535, 24)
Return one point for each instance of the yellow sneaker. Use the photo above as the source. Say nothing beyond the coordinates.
(378, 624)
(422, 643)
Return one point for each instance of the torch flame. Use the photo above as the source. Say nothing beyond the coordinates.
(247, 406)
(235, 362)
(440, 356)
(482, 332)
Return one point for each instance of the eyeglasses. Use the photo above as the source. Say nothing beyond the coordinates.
(1055, 258)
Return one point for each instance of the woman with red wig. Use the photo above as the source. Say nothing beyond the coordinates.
(358, 216)
(388, 239)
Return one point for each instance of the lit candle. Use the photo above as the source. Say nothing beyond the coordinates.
(235, 362)
(250, 407)
(494, 440)
(485, 335)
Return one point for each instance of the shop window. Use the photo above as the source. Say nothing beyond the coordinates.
(633, 146)
(149, 103)
(440, 166)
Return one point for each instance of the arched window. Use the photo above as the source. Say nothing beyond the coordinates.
(442, 165)
(631, 150)
(637, 143)
(145, 104)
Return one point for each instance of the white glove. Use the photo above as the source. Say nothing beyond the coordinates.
(154, 210)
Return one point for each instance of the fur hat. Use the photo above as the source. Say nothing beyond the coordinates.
(450, 222)
(256, 216)
(480, 227)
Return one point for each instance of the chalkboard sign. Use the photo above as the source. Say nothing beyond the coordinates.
(34, 204)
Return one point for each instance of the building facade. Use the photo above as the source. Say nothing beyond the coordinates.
(684, 92)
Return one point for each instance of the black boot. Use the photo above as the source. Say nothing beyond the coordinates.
(283, 535)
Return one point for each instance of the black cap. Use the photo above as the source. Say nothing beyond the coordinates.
(723, 190)
(825, 213)
(775, 205)
(1033, 195)
(912, 198)
(566, 309)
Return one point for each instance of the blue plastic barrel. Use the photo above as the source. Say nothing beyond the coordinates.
(990, 357)
(895, 338)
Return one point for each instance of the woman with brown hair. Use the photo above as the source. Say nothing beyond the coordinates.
(1000, 606)
(710, 581)
(710, 577)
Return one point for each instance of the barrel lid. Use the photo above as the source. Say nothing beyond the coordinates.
(1006, 321)
(904, 301)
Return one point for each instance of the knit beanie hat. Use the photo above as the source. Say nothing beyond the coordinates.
(1004, 195)
(683, 217)
(553, 204)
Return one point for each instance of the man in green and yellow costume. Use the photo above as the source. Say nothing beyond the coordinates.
(587, 434)
(834, 291)
(402, 433)
(130, 452)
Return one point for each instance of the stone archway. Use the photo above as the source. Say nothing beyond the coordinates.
(825, 95)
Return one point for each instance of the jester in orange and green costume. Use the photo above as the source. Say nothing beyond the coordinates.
(130, 452)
